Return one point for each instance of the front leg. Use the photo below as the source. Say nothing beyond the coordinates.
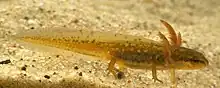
(111, 67)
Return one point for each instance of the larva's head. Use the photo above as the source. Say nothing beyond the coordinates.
(184, 58)
(188, 59)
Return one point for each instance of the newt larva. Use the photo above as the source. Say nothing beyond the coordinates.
(124, 50)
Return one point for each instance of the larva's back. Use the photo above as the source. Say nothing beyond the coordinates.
(82, 41)
(84, 34)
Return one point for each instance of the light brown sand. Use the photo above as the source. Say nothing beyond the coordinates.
(197, 20)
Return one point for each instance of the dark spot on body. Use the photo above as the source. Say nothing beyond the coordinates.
(87, 36)
(135, 40)
(93, 41)
(126, 37)
(84, 41)
(80, 32)
(139, 39)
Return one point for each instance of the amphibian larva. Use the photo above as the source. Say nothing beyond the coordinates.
(124, 50)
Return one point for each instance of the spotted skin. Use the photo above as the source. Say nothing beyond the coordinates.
(125, 50)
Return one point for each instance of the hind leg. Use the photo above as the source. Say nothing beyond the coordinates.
(111, 67)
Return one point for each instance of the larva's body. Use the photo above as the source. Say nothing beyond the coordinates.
(124, 50)
(131, 51)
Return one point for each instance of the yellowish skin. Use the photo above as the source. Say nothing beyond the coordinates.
(124, 50)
